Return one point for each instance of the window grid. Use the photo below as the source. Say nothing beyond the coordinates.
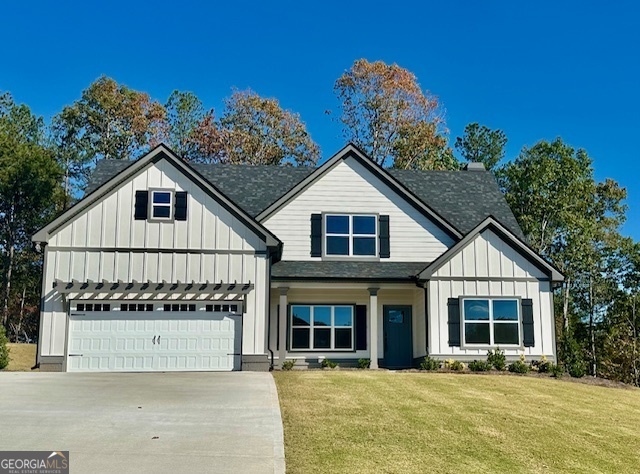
(159, 208)
(312, 327)
(351, 236)
(491, 322)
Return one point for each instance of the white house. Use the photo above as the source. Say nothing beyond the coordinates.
(166, 266)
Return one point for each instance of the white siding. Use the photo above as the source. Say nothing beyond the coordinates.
(489, 256)
(351, 188)
(489, 266)
(407, 296)
(104, 242)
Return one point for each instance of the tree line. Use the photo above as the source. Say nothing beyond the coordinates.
(567, 215)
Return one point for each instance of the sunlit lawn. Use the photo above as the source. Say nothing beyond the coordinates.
(21, 357)
(369, 422)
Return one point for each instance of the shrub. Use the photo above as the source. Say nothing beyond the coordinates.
(429, 363)
(288, 364)
(577, 368)
(555, 370)
(479, 366)
(543, 366)
(519, 367)
(497, 359)
(329, 364)
(4, 350)
(454, 365)
(364, 363)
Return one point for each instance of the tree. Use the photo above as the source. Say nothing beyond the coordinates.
(184, 114)
(256, 130)
(29, 195)
(109, 121)
(482, 145)
(567, 217)
(385, 112)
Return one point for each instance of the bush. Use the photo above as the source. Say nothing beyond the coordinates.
(556, 370)
(328, 364)
(496, 359)
(288, 364)
(519, 367)
(364, 363)
(429, 363)
(577, 368)
(4, 350)
(479, 366)
(541, 366)
(454, 365)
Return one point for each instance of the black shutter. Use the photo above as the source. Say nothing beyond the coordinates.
(454, 321)
(527, 323)
(180, 213)
(383, 228)
(141, 205)
(361, 327)
(278, 328)
(316, 235)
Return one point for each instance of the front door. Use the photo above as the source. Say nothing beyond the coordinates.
(398, 347)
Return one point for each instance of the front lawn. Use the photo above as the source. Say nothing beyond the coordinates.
(21, 357)
(369, 421)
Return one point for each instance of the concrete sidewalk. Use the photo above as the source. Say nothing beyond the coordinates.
(146, 422)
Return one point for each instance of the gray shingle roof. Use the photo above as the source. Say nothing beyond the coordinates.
(374, 271)
(463, 198)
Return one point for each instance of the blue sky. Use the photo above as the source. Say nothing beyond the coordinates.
(536, 70)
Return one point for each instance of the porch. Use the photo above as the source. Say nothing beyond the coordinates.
(345, 322)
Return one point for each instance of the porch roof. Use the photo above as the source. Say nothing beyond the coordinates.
(345, 270)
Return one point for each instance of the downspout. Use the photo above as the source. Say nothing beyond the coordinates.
(42, 247)
(271, 363)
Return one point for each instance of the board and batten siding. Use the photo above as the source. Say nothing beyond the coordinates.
(489, 266)
(105, 242)
(350, 188)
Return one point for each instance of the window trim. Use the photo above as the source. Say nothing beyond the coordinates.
(351, 256)
(491, 322)
(311, 327)
(171, 205)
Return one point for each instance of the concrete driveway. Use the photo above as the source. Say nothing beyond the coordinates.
(137, 423)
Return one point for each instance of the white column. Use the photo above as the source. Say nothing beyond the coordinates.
(373, 327)
(282, 333)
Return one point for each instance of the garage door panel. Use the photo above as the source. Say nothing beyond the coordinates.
(153, 339)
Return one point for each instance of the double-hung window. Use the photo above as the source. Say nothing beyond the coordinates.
(321, 327)
(491, 322)
(161, 205)
(351, 235)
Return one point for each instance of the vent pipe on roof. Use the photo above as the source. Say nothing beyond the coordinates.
(474, 166)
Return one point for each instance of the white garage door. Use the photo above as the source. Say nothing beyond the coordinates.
(154, 336)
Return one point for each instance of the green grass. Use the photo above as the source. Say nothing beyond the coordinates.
(362, 422)
(21, 357)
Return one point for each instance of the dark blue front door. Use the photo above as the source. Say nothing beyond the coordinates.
(398, 347)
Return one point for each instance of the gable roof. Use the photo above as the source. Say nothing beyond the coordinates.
(519, 245)
(110, 180)
(461, 198)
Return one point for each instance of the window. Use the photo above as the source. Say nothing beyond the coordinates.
(491, 322)
(322, 328)
(161, 204)
(351, 235)
(136, 307)
(218, 308)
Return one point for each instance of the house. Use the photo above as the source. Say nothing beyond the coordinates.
(166, 266)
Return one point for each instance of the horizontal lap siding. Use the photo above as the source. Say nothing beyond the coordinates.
(74, 252)
(408, 297)
(350, 188)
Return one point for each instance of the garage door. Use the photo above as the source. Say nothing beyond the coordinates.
(154, 336)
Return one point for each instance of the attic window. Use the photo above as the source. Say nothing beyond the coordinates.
(351, 235)
(161, 204)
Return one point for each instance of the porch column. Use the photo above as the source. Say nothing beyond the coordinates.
(282, 325)
(373, 325)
